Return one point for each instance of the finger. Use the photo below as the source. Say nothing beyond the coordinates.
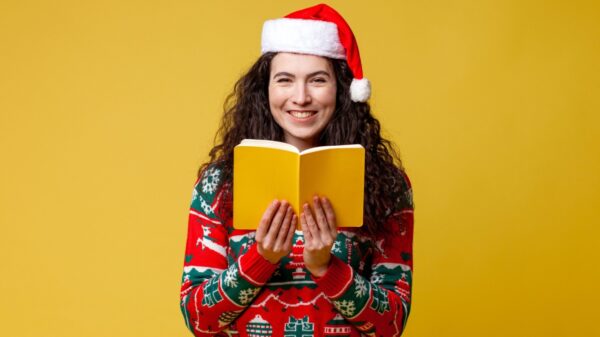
(305, 231)
(330, 214)
(321, 221)
(285, 226)
(265, 221)
(290, 235)
(293, 227)
(271, 236)
(310, 222)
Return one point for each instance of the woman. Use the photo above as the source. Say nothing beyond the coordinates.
(307, 90)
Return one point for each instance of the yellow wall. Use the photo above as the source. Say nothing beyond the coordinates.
(108, 107)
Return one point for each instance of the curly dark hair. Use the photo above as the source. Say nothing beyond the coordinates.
(247, 115)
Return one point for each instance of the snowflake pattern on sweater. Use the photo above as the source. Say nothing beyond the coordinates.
(228, 289)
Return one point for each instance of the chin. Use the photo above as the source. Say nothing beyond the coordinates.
(304, 137)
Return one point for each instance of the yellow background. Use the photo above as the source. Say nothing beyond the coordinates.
(108, 108)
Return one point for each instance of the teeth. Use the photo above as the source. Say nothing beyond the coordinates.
(301, 114)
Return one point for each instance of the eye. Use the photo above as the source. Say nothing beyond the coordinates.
(320, 80)
(283, 80)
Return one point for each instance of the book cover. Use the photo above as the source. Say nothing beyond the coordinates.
(264, 170)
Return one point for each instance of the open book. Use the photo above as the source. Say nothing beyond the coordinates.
(265, 170)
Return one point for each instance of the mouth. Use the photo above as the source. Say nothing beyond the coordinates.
(302, 114)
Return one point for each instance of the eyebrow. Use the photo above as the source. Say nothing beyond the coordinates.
(319, 72)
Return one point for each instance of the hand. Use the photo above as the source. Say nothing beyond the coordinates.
(320, 232)
(275, 232)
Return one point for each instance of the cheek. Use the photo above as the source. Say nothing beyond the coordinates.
(328, 98)
(275, 102)
(276, 97)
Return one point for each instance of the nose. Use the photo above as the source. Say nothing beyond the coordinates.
(301, 95)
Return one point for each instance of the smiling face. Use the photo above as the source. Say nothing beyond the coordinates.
(302, 94)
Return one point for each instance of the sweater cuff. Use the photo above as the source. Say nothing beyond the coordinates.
(337, 278)
(255, 268)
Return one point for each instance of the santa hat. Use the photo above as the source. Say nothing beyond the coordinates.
(318, 30)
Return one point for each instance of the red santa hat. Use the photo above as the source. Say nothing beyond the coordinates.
(318, 30)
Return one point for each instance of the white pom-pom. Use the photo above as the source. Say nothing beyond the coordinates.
(360, 90)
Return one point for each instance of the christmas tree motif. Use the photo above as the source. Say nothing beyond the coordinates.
(337, 326)
(227, 317)
(403, 288)
(299, 327)
(297, 262)
(259, 327)
(211, 293)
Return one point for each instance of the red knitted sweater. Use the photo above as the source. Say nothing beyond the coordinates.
(228, 289)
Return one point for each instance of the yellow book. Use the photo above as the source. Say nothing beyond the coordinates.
(265, 170)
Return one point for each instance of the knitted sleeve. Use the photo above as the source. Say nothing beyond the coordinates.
(379, 305)
(214, 292)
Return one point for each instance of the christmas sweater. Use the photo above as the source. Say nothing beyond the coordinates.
(229, 289)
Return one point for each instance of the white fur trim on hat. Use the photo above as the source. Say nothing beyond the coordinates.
(302, 36)
(360, 90)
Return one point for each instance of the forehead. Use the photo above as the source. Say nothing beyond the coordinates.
(299, 63)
